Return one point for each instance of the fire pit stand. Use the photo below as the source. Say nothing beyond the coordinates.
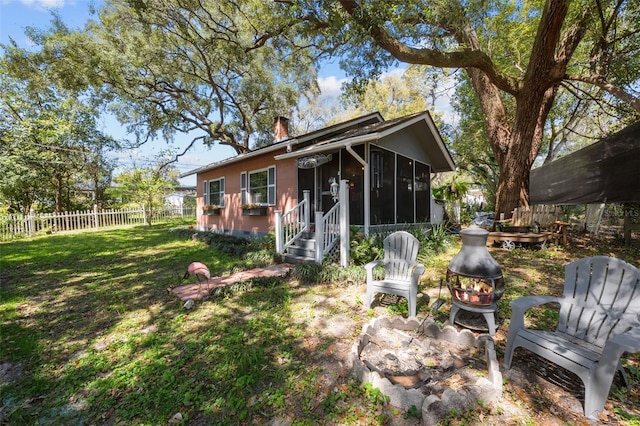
(487, 311)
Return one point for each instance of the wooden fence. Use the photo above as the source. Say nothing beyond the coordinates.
(13, 226)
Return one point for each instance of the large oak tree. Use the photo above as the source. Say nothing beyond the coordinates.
(221, 70)
(517, 56)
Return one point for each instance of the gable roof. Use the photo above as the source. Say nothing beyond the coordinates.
(289, 143)
(422, 121)
(362, 129)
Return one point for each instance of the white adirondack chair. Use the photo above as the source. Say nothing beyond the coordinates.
(599, 321)
(401, 270)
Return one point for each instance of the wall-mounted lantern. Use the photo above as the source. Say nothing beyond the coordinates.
(334, 189)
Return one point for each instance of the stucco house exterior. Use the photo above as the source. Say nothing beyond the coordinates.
(387, 166)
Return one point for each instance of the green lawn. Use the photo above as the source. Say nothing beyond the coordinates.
(100, 340)
(92, 333)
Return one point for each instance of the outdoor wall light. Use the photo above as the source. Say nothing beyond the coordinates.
(334, 189)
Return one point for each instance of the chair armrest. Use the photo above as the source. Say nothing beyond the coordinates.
(528, 302)
(625, 342)
(418, 270)
(369, 268)
(520, 305)
(373, 264)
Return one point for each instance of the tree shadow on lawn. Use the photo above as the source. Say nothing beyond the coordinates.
(112, 345)
(109, 344)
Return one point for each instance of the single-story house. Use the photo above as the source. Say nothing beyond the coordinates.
(179, 195)
(388, 166)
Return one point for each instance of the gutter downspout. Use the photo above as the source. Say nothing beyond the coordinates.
(367, 189)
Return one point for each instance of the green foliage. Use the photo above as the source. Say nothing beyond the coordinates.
(145, 187)
(508, 52)
(51, 148)
(336, 275)
(230, 245)
(313, 273)
(438, 240)
(306, 272)
(363, 249)
(102, 342)
(396, 95)
(170, 66)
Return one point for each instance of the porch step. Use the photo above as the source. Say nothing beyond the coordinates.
(293, 259)
(302, 250)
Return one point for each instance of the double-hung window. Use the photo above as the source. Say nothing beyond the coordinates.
(259, 186)
(214, 192)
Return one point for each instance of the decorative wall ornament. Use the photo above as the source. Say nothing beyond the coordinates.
(313, 161)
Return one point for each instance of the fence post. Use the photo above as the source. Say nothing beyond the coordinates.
(95, 216)
(144, 214)
(32, 222)
(279, 232)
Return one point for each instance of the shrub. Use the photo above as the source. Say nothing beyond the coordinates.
(363, 249)
(333, 274)
(306, 272)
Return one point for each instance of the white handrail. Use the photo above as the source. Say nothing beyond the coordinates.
(331, 228)
(292, 224)
(327, 231)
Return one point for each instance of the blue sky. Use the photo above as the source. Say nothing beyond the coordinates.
(16, 15)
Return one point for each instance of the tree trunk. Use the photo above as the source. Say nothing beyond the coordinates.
(58, 196)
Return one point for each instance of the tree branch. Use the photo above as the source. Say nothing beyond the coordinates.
(465, 58)
(616, 91)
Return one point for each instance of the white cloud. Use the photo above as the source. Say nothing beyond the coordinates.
(44, 4)
(330, 86)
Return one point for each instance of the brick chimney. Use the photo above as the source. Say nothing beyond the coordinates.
(280, 128)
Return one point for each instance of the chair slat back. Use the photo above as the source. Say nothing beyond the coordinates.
(604, 299)
(400, 252)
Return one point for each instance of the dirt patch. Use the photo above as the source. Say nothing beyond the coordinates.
(338, 315)
(10, 371)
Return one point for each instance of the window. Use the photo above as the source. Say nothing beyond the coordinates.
(259, 187)
(382, 186)
(404, 189)
(423, 192)
(213, 192)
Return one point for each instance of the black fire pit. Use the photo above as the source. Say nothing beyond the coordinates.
(474, 278)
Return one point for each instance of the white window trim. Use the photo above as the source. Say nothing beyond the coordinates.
(245, 194)
(244, 176)
(205, 193)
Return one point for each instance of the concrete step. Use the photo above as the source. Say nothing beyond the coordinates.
(294, 259)
(305, 243)
(302, 251)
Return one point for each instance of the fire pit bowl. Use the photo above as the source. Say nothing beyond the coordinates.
(475, 279)
(473, 276)
(441, 369)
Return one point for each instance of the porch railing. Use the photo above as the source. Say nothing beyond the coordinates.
(327, 231)
(292, 224)
(329, 228)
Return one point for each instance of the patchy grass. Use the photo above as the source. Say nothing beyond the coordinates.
(90, 335)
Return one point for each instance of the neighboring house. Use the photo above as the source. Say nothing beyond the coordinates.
(177, 198)
(388, 165)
